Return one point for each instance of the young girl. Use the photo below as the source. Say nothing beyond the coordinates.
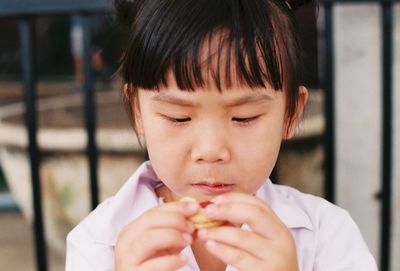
(213, 86)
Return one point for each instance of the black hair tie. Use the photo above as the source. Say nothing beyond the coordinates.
(294, 4)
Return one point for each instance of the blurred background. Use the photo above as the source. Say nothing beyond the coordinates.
(66, 142)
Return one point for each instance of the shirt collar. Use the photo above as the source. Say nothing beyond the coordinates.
(134, 198)
(285, 204)
(137, 196)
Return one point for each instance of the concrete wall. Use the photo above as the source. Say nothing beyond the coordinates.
(358, 120)
(358, 94)
(358, 115)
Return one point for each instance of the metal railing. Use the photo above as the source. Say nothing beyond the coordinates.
(26, 10)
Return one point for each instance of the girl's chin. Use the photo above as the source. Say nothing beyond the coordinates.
(213, 190)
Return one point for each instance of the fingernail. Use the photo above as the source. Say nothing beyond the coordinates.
(211, 209)
(218, 199)
(187, 238)
(202, 233)
(192, 206)
(190, 227)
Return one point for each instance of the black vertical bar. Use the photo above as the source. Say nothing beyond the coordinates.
(387, 65)
(29, 85)
(328, 85)
(90, 111)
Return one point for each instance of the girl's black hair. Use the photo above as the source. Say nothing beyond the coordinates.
(253, 40)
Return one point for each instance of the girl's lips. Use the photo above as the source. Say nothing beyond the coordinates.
(214, 189)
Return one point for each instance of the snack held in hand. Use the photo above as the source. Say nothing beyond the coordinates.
(201, 220)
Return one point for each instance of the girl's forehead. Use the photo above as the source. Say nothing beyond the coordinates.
(237, 94)
(227, 99)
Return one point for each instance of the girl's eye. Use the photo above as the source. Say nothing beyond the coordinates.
(245, 120)
(181, 120)
(177, 120)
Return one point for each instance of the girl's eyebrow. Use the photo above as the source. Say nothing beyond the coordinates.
(249, 98)
(167, 98)
(245, 99)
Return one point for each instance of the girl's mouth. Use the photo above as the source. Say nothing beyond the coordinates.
(214, 188)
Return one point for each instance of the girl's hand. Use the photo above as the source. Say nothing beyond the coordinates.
(156, 238)
(269, 247)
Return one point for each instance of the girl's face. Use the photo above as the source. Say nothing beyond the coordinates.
(205, 143)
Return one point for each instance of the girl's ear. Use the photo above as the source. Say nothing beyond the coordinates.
(135, 109)
(126, 91)
(290, 128)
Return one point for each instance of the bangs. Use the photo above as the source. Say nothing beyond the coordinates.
(203, 42)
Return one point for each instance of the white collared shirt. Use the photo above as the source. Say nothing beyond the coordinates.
(326, 237)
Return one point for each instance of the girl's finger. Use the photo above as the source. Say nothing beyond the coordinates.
(164, 219)
(236, 257)
(167, 263)
(150, 242)
(185, 208)
(242, 197)
(169, 215)
(261, 221)
(234, 237)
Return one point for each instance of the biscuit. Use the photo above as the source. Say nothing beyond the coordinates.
(200, 220)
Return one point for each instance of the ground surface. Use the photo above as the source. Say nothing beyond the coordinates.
(16, 245)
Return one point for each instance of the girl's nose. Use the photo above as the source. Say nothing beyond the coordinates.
(211, 146)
